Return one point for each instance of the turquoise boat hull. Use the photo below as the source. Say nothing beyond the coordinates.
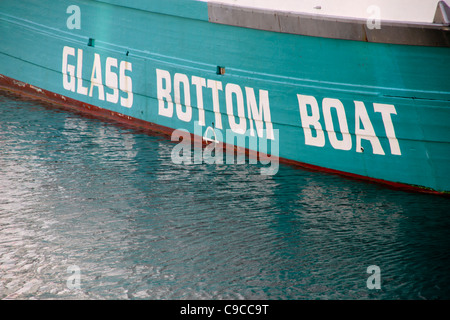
(374, 110)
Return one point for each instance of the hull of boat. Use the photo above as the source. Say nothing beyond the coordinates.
(369, 109)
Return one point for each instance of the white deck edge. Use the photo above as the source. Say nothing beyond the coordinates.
(412, 11)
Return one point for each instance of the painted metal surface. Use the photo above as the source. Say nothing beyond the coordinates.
(412, 11)
(371, 110)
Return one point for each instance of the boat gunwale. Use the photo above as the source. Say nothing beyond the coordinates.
(334, 27)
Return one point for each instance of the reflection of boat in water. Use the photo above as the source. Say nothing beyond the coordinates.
(360, 89)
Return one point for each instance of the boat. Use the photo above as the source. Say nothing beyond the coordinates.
(356, 88)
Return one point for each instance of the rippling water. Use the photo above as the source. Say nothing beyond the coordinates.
(95, 210)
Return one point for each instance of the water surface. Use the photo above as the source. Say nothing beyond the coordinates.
(86, 199)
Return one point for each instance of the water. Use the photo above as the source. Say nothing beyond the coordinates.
(95, 210)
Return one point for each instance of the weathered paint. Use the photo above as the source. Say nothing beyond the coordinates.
(372, 110)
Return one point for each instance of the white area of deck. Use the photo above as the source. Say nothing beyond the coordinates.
(391, 10)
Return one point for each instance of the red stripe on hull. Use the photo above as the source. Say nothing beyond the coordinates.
(64, 102)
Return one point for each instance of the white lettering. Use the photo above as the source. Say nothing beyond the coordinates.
(96, 77)
(259, 115)
(364, 129)
(164, 93)
(197, 310)
(80, 88)
(230, 90)
(186, 115)
(126, 84)
(111, 80)
(311, 120)
(366, 132)
(200, 83)
(215, 87)
(386, 110)
(68, 70)
(73, 77)
(346, 142)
